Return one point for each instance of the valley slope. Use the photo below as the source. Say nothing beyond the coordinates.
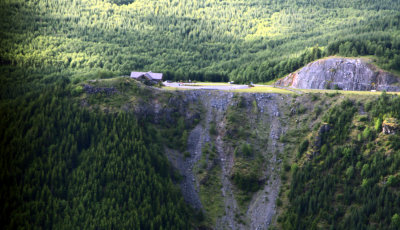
(254, 159)
(237, 160)
(83, 146)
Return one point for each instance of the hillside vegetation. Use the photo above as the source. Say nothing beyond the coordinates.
(203, 40)
(64, 166)
(83, 149)
(346, 175)
(81, 157)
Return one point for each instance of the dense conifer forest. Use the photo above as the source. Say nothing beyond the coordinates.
(352, 179)
(69, 166)
(200, 40)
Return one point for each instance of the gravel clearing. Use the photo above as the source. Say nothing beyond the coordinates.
(205, 87)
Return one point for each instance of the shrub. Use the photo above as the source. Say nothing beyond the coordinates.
(286, 166)
(378, 124)
(213, 129)
(366, 133)
(393, 180)
(255, 107)
(184, 140)
(314, 97)
(301, 109)
(77, 90)
(232, 117)
(247, 149)
(278, 202)
(350, 172)
(317, 110)
(242, 102)
(395, 220)
(294, 167)
(246, 182)
(186, 154)
(104, 74)
(324, 149)
(236, 152)
(302, 148)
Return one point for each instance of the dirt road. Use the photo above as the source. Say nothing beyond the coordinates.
(205, 86)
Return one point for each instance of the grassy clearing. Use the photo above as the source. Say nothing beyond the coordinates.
(263, 89)
(269, 89)
(344, 92)
(271, 82)
(247, 172)
(122, 91)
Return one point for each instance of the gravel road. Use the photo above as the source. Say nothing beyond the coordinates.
(200, 86)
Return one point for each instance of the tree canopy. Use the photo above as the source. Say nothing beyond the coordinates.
(199, 40)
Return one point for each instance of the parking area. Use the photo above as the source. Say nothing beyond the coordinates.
(211, 86)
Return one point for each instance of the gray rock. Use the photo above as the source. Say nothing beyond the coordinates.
(323, 129)
(345, 73)
(95, 90)
(390, 126)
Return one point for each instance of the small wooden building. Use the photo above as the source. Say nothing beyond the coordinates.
(147, 76)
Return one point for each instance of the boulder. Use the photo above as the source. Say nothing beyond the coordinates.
(390, 126)
(323, 129)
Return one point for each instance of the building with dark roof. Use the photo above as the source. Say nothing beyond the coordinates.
(147, 76)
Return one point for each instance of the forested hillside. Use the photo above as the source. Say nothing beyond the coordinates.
(204, 40)
(64, 166)
(347, 174)
(81, 153)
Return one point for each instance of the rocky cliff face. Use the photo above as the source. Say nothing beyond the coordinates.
(221, 124)
(265, 120)
(344, 73)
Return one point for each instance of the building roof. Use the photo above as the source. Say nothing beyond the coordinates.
(150, 75)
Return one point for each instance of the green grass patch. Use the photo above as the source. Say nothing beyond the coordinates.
(211, 196)
(243, 199)
(246, 176)
(113, 93)
(263, 89)
(344, 92)
(271, 82)
(246, 173)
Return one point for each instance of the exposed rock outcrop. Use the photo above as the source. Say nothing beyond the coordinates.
(317, 144)
(390, 126)
(322, 130)
(94, 90)
(342, 73)
(263, 110)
